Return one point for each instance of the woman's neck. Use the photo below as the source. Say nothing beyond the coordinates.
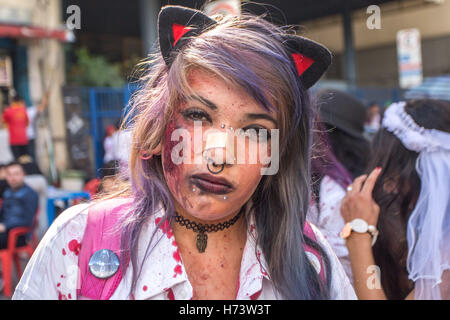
(220, 240)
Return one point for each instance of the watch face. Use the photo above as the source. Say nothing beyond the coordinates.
(359, 225)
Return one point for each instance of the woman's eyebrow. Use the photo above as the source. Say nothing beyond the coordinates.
(255, 116)
(250, 116)
(204, 101)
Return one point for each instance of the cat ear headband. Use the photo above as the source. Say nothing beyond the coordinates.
(176, 24)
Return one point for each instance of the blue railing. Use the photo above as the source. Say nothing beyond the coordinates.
(106, 106)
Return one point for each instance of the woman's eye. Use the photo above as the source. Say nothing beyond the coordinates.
(254, 132)
(196, 115)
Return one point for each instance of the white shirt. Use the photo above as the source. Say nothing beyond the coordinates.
(108, 146)
(329, 220)
(31, 113)
(121, 141)
(52, 272)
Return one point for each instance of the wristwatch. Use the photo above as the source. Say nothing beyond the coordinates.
(360, 226)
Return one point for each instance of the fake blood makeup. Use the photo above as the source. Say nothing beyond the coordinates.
(203, 182)
(174, 172)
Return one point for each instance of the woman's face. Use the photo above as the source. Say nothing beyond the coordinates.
(223, 109)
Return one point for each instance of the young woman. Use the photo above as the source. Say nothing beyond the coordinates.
(339, 154)
(330, 180)
(210, 226)
(409, 204)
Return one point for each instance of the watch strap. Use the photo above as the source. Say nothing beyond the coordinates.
(348, 229)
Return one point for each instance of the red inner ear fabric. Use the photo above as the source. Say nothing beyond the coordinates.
(302, 62)
(178, 32)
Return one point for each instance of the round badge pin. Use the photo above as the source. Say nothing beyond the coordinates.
(104, 263)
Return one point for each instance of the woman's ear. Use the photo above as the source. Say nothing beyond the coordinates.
(157, 151)
(176, 24)
(311, 59)
(146, 155)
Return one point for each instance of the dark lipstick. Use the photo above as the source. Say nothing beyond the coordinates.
(211, 184)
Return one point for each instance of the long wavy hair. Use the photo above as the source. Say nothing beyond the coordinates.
(246, 52)
(396, 192)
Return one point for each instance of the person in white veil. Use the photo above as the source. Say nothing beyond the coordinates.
(398, 217)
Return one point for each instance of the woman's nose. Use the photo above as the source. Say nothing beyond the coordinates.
(219, 148)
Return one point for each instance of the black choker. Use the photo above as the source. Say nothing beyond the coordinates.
(201, 229)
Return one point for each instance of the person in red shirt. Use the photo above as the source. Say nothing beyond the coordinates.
(16, 119)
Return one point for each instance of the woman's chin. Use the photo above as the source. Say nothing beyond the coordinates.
(208, 208)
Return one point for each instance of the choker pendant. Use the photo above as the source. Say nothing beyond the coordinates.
(202, 241)
(201, 229)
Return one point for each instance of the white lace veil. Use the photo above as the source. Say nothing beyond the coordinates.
(428, 230)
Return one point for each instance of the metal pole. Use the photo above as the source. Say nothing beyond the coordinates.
(149, 10)
(95, 130)
(350, 57)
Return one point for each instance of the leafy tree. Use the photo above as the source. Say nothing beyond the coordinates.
(94, 71)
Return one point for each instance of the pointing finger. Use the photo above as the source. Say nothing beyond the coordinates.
(356, 185)
(370, 182)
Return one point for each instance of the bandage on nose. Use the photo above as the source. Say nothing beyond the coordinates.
(219, 147)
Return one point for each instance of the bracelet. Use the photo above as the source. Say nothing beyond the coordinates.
(359, 226)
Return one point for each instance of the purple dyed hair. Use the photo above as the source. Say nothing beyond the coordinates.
(324, 162)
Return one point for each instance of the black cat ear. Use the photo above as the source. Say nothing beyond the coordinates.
(310, 58)
(176, 24)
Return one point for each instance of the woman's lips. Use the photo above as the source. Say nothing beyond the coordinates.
(211, 184)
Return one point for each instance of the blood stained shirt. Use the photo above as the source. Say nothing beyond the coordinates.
(52, 272)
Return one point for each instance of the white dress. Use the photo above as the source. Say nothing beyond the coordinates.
(329, 220)
(52, 272)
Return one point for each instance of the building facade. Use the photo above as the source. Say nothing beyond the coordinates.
(32, 34)
(376, 49)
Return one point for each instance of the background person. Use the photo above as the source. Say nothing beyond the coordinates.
(121, 140)
(33, 113)
(407, 198)
(16, 119)
(3, 183)
(373, 120)
(343, 116)
(329, 182)
(19, 204)
(108, 144)
(36, 181)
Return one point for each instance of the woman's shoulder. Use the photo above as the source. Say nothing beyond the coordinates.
(70, 224)
(331, 195)
(72, 221)
(328, 184)
(52, 272)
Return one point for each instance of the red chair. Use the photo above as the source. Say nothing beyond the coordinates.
(11, 253)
